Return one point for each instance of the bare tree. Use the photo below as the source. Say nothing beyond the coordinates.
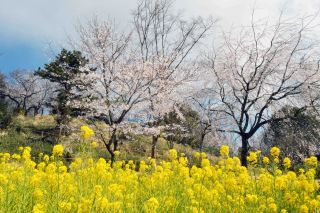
(204, 124)
(258, 70)
(39, 101)
(26, 91)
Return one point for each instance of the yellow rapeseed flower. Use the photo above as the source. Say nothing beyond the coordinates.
(151, 205)
(314, 204)
(58, 150)
(253, 158)
(116, 153)
(275, 152)
(173, 154)
(205, 163)
(87, 132)
(46, 158)
(224, 151)
(16, 156)
(65, 206)
(98, 189)
(311, 162)
(303, 209)
(38, 208)
(286, 162)
(94, 144)
(265, 160)
(26, 153)
(252, 198)
(197, 155)
(272, 207)
(203, 155)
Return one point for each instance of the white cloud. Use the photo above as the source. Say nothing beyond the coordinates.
(50, 20)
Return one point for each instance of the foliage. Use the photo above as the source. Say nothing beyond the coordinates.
(188, 125)
(35, 132)
(10, 140)
(297, 136)
(5, 114)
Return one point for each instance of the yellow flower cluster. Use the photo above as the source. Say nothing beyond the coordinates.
(93, 185)
(286, 163)
(311, 162)
(266, 160)
(58, 150)
(94, 144)
(253, 158)
(224, 151)
(275, 152)
(173, 154)
(87, 132)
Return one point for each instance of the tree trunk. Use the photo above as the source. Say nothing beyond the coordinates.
(201, 141)
(115, 143)
(108, 147)
(154, 145)
(37, 111)
(244, 151)
(112, 140)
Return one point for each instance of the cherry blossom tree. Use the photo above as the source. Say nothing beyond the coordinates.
(120, 80)
(167, 42)
(137, 72)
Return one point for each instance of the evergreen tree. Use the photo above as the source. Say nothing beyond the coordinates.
(5, 113)
(65, 71)
(297, 136)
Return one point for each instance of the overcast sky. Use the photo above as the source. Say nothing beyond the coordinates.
(27, 27)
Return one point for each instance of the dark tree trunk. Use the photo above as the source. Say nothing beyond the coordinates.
(154, 145)
(112, 156)
(36, 111)
(112, 141)
(244, 151)
(115, 143)
(201, 141)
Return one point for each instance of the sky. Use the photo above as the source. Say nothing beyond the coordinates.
(32, 31)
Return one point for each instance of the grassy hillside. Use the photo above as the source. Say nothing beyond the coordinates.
(39, 133)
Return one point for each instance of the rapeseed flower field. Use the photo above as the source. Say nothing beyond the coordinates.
(48, 184)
